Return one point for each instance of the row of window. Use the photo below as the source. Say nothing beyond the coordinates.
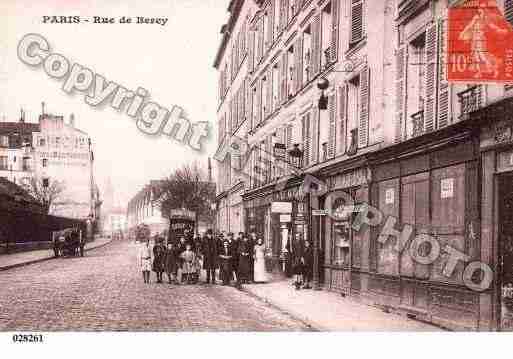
(5, 166)
(64, 141)
(13, 141)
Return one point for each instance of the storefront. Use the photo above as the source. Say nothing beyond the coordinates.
(277, 217)
(497, 212)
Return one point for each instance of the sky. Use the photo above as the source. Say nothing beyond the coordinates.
(173, 62)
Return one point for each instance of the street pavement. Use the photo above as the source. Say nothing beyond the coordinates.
(104, 291)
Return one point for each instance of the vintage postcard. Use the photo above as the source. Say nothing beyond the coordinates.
(255, 166)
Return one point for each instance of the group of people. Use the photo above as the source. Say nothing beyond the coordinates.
(239, 258)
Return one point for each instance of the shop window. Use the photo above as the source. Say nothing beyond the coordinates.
(4, 141)
(341, 243)
(3, 163)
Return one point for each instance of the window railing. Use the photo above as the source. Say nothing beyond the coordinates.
(417, 120)
(324, 151)
(470, 100)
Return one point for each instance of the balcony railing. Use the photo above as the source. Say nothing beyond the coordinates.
(417, 120)
(470, 100)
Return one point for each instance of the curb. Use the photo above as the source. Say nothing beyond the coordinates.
(22, 264)
(307, 322)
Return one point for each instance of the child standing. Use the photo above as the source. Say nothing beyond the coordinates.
(188, 258)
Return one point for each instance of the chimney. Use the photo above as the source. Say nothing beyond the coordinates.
(22, 116)
(42, 111)
(72, 120)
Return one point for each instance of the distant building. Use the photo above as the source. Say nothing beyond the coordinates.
(55, 150)
(142, 209)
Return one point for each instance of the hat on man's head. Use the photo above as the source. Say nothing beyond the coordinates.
(209, 231)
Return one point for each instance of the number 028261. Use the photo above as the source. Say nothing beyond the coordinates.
(27, 338)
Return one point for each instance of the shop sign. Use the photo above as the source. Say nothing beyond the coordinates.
(281, 207)
(447, 188)
(319, 212)
(284, 218)
(389, 196)
(280, 151)
(355, 178)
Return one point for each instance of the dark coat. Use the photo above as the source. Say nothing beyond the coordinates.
(245, 251)
(308, 261)
(297, 256)
(209, 249)
(171, 260)
(159, 256)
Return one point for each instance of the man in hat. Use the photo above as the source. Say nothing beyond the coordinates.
(210, 255)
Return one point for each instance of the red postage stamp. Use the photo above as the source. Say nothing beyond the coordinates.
(480, 43)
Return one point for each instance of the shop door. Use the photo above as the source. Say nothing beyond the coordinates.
(506, 251)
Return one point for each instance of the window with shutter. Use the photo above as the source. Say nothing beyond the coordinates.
(307, 54)
(316, 45)
(306, 139)
(431, 70)
(269, 93)
(261, 38)
(315, 123)
(340, 140)
(265, 92)
(444, 88)
(284, 78)
(363, 127)
(357, 26)
(400, 91)
(288, 141)
(284, 6)
(298, 64)
(275, 78)
(277, 6)
(249, 104)
(251, 50)
(353, 113)
(270, 25)
(235, 111)
(332, 108)
(416, 86)
(291, 70)
(259, 113)
(329, 28)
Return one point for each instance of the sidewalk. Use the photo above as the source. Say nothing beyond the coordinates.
(329, 311)
(8, 261)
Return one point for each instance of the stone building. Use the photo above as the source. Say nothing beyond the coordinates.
(355, 93)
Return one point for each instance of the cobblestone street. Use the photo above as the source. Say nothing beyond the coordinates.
(105, 291)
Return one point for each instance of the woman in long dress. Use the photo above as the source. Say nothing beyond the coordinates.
(145, 260)
(244, 266)
(259, 265)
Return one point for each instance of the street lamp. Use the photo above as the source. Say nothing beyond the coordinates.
(322, 85)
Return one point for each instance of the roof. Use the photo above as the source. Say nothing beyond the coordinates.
(234, 9)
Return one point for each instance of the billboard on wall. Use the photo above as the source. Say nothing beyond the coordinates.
(480, 43)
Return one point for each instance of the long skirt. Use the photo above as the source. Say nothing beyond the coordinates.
(145, 265)
(260, 274)
(244, 267)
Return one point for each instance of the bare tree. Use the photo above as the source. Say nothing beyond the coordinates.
(45, 190)
(187, 187)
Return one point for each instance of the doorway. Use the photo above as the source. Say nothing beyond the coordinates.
(505, 196)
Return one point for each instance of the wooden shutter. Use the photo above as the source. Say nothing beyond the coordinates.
(306, 139)
(315, 123)
(356, 21)
(401, 58)
(335, 7)
(288, 141)
(284, 5)
(260, 34)
(363, 127)
(251, 48)
(444, 88)
(270, 21)
(284, 78)
(430, 79)
(235, 111)
(249, 104)
(298, 63)
(269, 92)
(332, 107)
(258, 117)
(315, 58)
(278, 82)
(340, 140)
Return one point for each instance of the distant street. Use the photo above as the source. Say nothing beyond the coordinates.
(105, 291)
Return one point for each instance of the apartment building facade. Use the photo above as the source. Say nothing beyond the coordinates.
(233, 64)
(355, 92)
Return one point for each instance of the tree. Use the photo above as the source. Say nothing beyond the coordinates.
(187, 187)
(45, 190)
